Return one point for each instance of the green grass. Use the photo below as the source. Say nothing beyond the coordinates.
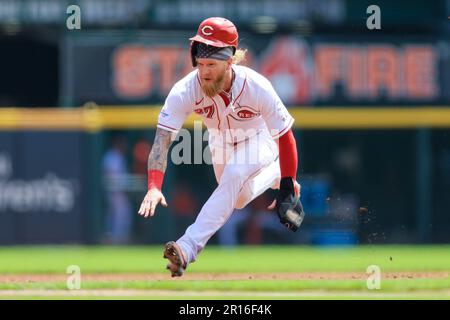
(400, 285)
(309, 296)
(274, 259)
(53, 259)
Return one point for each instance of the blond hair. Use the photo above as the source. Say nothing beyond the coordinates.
(239, 56)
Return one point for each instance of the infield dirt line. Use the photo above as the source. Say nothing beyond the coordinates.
(9, 278)
(211, 294)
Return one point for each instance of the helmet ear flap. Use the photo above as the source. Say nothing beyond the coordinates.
(194, 48)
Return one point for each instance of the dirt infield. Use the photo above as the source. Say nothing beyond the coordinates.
(30, 285)
(212, 294)
(21, 278)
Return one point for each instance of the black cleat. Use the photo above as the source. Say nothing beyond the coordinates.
(177, 261)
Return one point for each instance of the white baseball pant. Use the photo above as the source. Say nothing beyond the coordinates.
(243, 172)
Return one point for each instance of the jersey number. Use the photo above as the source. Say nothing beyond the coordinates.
(209, 111)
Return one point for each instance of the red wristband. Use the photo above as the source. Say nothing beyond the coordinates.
(155, 179)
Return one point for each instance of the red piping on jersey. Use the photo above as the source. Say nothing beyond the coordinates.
(218, 117)
(159, 124)
(225, 99)
(288, 155)
(198, 102)
(243, 86)
(229, 127)
(279, 134)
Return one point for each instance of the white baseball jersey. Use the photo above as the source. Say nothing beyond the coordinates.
(252, 104)
(252, 113)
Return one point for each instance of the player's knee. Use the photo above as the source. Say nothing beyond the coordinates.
(240, 204)
(244, 197)
(233, 174)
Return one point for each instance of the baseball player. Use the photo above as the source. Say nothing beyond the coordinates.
(244, 116)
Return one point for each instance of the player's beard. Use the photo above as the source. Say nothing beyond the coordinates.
(215, 87)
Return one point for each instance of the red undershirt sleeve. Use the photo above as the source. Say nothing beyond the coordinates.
(288, 155)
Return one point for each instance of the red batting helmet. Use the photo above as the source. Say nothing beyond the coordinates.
(217, 32)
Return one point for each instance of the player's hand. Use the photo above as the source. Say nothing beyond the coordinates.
(151, 200)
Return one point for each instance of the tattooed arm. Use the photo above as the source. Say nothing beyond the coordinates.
(157, 164)
(157, 159)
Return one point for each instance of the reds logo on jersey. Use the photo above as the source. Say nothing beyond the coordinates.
(245, 113)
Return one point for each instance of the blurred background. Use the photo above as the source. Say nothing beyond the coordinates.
(78, 111)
